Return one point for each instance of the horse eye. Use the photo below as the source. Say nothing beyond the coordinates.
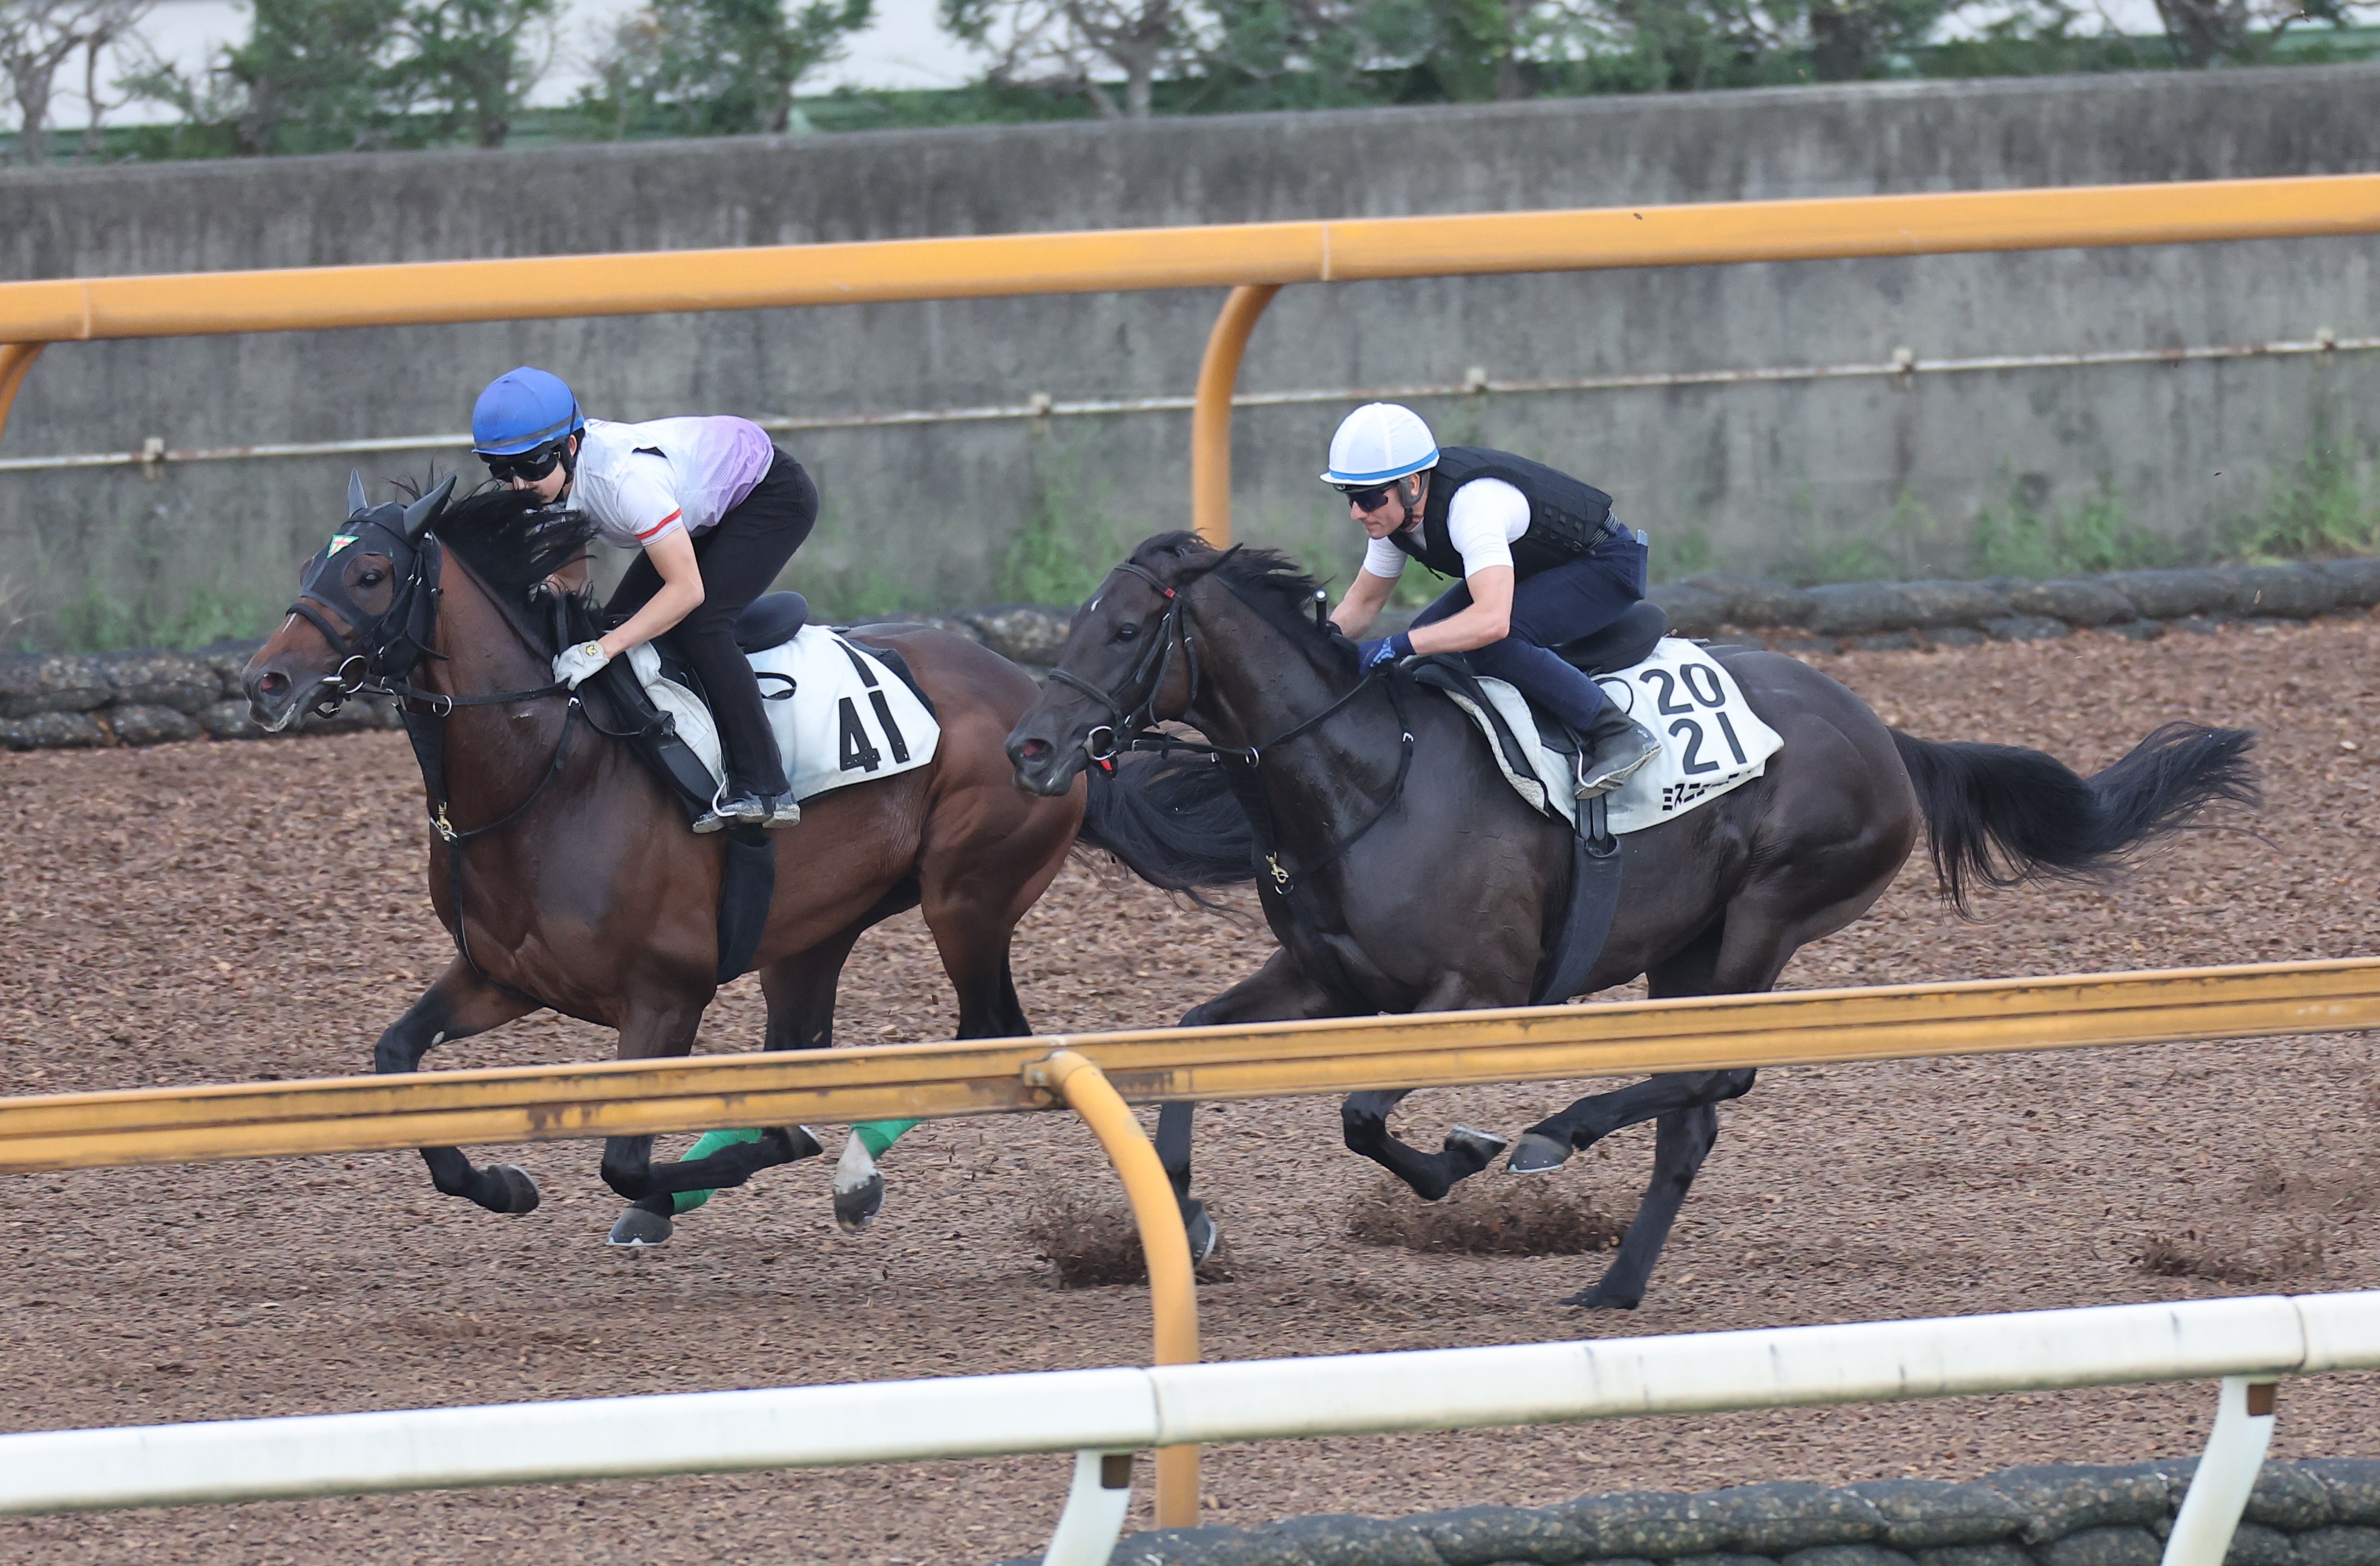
(1126, 631)
(369, 579)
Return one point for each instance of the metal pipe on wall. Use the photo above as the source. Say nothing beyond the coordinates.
(759, 278)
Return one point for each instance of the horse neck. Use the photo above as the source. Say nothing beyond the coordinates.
(1256, 683)
(494, 754)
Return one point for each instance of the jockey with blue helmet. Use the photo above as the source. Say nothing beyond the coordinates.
(1540, 558)
(716, 509)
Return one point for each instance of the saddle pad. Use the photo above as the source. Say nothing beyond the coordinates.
(1711, 740)
(840, 716)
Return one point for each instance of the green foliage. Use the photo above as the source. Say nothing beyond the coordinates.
(2319, 512)
(713, 67)
(1074, 538)
(337, 75)
(1681, 551)
(2026, 539)
(469, 64)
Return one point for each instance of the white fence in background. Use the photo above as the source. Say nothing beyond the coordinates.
(1104, 1414)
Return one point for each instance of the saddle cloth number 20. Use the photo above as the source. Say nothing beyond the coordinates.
(1689, 705)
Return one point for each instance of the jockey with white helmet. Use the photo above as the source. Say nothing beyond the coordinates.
(1542, 562)
(716, 511)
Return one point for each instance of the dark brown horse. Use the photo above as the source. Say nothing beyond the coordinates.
(582, 889)
(1407, 876)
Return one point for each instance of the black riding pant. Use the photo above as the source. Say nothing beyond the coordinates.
(1573, 599)
(740, 559)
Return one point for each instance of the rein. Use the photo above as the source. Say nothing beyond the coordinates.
(1138, 718)
(378, 654)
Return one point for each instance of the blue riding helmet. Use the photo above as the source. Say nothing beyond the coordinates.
(521, 410)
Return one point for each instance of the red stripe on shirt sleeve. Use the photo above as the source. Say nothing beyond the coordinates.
(659, 526)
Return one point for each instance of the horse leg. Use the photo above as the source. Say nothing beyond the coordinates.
(1740, 954)
(801, 991)
(1364, 1119)
(627, 1166)
(458, 1005)
(1278, 992)
(1681, 1140)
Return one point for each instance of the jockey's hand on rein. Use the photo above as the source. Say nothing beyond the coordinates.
(576, 663)
(1373, 651)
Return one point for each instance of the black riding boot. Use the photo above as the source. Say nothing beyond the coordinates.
(1616, 746)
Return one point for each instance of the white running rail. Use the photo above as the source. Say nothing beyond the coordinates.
(1105, 1414)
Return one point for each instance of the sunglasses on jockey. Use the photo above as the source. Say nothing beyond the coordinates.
(1368, 498)
(529, 466)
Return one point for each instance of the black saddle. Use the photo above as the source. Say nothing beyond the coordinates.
(1626, 641)
(771, 620)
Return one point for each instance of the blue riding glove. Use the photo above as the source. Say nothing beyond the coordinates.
(1373, 651)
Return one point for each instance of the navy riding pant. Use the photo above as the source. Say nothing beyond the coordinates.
(740, 559)
(1549, 609)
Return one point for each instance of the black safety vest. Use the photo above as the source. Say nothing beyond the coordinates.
(1567, 518)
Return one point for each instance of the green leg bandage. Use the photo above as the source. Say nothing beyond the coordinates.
(878, 1135)
(712, 1142)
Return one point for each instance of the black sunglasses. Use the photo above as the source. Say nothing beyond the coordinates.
(1364, 500)
(529, 466)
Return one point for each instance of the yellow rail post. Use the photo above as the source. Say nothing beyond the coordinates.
(16, 359)
(1173, 1290)
(1210, 418)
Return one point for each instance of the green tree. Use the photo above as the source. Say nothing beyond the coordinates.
(474, 61)
(715, 67)
(318, 76)
(1078, 47)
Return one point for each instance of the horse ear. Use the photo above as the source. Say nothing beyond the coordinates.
(357, 500)
(1200, 568)
(423, 512)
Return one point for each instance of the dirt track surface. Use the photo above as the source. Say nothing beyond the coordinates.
(226, 913)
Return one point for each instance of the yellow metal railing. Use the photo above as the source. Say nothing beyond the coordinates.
(1254, 259)
(1095, 1075)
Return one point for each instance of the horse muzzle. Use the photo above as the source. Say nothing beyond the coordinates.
(1044, 766)
(277, 698)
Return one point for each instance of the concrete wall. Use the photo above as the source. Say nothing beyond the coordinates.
(1751, 477)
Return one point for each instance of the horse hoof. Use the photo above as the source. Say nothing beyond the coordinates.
(1477, 1148)
(856, 1208)
(1204, 1237)
(640, 1230)
(1535, 1153)
(1595, 1299)
(505, 1188)
(802, 1143)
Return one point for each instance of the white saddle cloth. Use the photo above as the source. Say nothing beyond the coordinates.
(1711, 739)
(840, 716)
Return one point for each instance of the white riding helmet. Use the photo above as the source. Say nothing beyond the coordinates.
(1378, 442)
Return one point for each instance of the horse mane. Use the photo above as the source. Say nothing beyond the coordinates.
(510, 541)
(1265, 579)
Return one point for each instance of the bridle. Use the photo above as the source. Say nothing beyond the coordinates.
(1131, 720)
(379, 652)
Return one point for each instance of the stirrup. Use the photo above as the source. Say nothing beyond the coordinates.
(781, 810)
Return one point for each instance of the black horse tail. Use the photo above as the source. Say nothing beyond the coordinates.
(2002, 815)
(1172, 820)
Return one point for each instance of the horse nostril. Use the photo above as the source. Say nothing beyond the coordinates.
(272, 684)
(1034, 749)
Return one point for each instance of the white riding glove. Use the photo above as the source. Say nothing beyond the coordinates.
(576, 663)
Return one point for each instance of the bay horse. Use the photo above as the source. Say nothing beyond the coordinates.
(1423, 882)
(569, 878)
